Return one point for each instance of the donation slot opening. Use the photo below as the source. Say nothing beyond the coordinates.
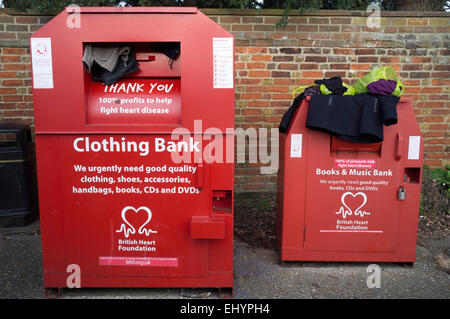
(132, 83)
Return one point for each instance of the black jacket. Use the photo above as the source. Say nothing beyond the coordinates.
(287, 117)
(356, 118)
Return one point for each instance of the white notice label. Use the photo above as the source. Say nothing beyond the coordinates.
(296, 145)
(41, 56)
(223, 63)
(414, 147)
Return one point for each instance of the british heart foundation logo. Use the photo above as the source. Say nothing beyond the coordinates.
(41, 49)
(135, 220)
(352, 204)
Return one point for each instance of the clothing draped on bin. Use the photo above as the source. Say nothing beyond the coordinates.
(333, 85)
(108, 63)
(357, 118)
(335, 108)
(287, 117)
(379, 81)
(382, 87)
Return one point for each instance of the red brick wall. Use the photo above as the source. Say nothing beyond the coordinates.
(271, 63)
(16, 100)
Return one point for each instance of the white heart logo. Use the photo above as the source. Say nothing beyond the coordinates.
(347, 211)
(354, 196)
(130, 229)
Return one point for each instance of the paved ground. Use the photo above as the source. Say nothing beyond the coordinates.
(258, 274)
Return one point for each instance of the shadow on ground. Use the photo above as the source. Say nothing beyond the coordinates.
(258, 274)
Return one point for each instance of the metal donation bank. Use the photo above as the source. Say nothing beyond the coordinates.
(132, 107)
(344, 196)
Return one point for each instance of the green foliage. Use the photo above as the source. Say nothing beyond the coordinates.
(54, 6)
(435, 193)
(421, 206)
(442, 178)
(245, 4)
(346, 4)
(302, 6)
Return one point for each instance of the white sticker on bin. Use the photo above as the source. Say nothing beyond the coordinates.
(41, 57)
(414, 148)
(223, 63)
(296, 145)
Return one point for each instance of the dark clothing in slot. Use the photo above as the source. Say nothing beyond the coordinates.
(121, 69)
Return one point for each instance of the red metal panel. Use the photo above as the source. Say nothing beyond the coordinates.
(195, 32)
(339, 145)
(110, 219)
(135, 101)
(339, 201)
(354, 215)
(207, 228)
(130, 209)
(115, 196)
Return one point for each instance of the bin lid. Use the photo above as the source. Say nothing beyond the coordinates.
(20, 146)
(132, 10)
(11, 127)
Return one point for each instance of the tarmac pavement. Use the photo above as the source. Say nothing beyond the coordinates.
(258, 274)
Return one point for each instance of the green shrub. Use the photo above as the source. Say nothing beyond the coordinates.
(442, 178)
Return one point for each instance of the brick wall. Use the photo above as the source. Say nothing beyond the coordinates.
(16, 100)
(271, 63)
